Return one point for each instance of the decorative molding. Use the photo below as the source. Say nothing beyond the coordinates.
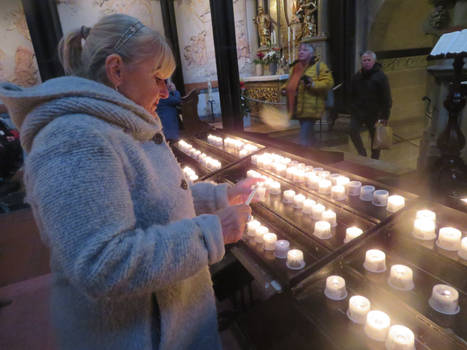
(402, 63)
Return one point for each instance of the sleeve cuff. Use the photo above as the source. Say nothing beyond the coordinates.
(211, 230)
(221, 198)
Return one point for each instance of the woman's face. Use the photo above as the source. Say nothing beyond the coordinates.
(305, 52)
(143, 84)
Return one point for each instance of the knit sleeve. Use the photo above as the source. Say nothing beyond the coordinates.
(83, 205)
(209, 197)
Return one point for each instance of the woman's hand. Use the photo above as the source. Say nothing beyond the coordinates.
(239, 193)
(233, 221)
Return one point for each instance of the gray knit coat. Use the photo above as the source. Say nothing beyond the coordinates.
(130, 243)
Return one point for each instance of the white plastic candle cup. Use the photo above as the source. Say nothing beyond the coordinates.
(377, 325)
(338, 193)
(243, 153)
(298, 201)
(281, 249)
(290, 172)
(270, 241)
(260, 232)
(317, 211)
(426, 214)
(333, 178)
(354, 187)
(254, 159)
(288, 196)
(324, 186)
(313, 181)
(252, 226)
(400, 338)
(335, 288)
(275, 188)
(324, 174)
(375, 261)
(317, 171)
(295, 259)
(359, 307)
(424, 229)
(449, 238)
(252, 174)
(401, 277)
(395, 203)
(280, 169)
(351, 233)
(380, 198)
(299, 176)
(260, 194)
(463, 250)
(329, 216)
(445, 299)
(366, 193)
(308, 205)
(342, 181)
(322, 230)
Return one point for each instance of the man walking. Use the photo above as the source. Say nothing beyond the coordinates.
(371, 101)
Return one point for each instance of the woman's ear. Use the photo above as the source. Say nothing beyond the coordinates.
(113, 69)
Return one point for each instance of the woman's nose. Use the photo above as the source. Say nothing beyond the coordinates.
(163, 90)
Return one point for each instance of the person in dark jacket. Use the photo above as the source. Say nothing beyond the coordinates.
(371, 101)
(168, 113)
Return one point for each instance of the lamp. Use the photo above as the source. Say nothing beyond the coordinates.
(449, 169)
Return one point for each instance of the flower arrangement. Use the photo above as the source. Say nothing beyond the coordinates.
(259, 59)
(272, 56)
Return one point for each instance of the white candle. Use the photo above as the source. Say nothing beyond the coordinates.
(334, 177)
(254, 159)
(243, 153)
(281, 249)
(351, 233)
(260, 232)
(400, 338)
(252, 226)
(313, 181)
(317, 211)
(322, 230)
(329, 216)
(335, 288)
(342, 180)
(324, 174)
(295, 259)
(366, 193)
(380, 198)
(359, 307)
(317, 171)
(299, 176)
(308, 205)
(275, 188)
(298, 201)
(424, 229)
(426, 214)
(252, 174)
(445, 299)
(401, 277)
(280, 169)
(354, 188)
(260, 194)
(463, 251)
(375, 261)
(290, 172)
(395, 203)
(288, 196)
(338, 193)
(377, 325)
(270, 241)
(324, 186)
(449, 238)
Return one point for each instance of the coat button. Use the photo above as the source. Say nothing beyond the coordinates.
(184, 185)
(158, 138)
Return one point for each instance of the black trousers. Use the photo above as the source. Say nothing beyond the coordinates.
(355, 126)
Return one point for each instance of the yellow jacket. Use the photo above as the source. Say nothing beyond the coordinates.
(310, 102)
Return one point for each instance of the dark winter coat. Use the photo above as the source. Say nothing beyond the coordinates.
(168, 114)
(371, 94)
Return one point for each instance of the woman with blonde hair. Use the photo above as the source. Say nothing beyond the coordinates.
(130, 240)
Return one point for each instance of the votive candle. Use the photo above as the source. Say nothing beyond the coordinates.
(334, 177)
(380, 198)
(329, 216)
(324, 186)
(288, 196)
(342, 181)
(281, 249)
(317, 211)
(252, 226)
(338, 193)
(449, 238)
(445, 299)
(426, 214)
(299, 176)
(395, 203)
(260, 232)
(353, 188)
(463, 250)
(324, 174)
(322, 230)
(424, 229)
(359, 306)
(377, 325)
(295, 259)
(366, 193)
(260, 194)
(298, 201)
(335, 288)
(375, 261)
(308, 205)
(270, 241)
(400, 338)
(351, 233)
(401, 277)
(275, 188)
(313, 181)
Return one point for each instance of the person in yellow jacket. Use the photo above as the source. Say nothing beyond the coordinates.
(306, 91)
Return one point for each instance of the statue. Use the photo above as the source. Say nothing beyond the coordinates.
(263, 22)
(305, 14)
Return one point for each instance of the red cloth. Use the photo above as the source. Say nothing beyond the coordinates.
(292, 85)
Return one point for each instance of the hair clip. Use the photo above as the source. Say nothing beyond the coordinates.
(131, 31)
